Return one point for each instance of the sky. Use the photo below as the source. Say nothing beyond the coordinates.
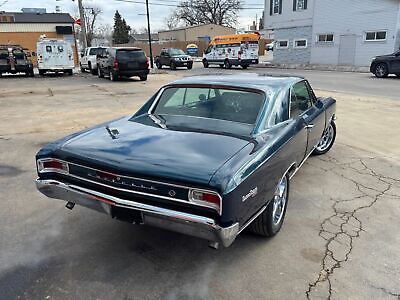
(129, 11)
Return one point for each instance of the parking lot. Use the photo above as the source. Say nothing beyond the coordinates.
(340, 238)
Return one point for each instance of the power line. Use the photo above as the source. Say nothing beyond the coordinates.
(174, 5)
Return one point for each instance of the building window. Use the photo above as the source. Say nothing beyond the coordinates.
(299, 5)
(275, 7)
(371, 36)
(325, 38)
(282, 44)
(300, 43)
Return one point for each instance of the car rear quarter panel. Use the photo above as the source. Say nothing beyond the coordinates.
(258, 166)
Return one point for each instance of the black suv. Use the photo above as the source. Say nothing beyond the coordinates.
(117, 62)
(384, 65)
(173, 58)
(14, 60)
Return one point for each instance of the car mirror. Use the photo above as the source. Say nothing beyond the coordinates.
(319, 103)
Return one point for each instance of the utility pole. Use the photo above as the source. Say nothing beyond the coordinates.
(148, 29)
(83, 23)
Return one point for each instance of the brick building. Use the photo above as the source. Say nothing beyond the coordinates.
(25, 28)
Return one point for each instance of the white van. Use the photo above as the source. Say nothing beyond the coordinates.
(232, 50)
(55, 56)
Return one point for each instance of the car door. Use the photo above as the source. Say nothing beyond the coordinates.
(303, 103)
(396, 63)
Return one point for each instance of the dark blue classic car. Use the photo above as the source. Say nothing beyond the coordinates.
(206, 156)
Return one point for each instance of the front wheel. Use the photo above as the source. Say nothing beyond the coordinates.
(189, 66)
(227, 64)
(100, 73)
(172, 66)
(143, 78)
(398, 75)
(270, 221)
(158, 65)
(244, 67)
(205, 63)
(381, 70)
(327, 140)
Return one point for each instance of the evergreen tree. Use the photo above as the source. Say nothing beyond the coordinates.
(121, 30)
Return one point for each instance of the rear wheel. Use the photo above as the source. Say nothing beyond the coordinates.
(70, 72)
(327, 140)
(143, 78)
(42, 72)
(398, 74)
(271, 219)
(113, 76)
(381, 70)
(82, 68)
(245, 67)
(100, 73)
(227, 64)
(190, 66)
(221, 65)
(172, 66)
(205, 63)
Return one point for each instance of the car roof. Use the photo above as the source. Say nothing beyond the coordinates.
(260, 81)
(126, 48)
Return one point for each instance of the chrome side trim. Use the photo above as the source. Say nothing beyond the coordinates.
(301, 164)
(252, 218)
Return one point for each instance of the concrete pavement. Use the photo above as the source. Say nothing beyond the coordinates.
(340, 238)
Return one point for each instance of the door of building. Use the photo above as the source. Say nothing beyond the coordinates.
(347, 49)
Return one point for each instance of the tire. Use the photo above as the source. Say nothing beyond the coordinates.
(100, 74)
(244, 67)
(221, 65)
(172, 66)
(327, 140)
(190, 66)
(381, 70)
(158, 65)
(205, 63)
(42, 72)
(143, 78)
(227, 64)
(113, 76)
(82, 68)
(398, 75)
(70, 72)
(270, 221)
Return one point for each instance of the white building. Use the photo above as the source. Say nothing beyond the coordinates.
(334, 32)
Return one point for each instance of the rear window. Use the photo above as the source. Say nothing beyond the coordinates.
(130, 54)
(3, 53)
(95, 51)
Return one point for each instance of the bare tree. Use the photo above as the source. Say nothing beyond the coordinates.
(196, 12)
(91, 17)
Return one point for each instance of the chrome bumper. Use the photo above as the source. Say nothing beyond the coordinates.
(172, 220)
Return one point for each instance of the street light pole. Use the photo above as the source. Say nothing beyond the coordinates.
(83, 23)
(148, 29)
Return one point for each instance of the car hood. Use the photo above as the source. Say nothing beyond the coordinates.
(153, 152)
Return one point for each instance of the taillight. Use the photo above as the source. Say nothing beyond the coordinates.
(47, 165)
(148, 63)
(207, 199)
(116, 64)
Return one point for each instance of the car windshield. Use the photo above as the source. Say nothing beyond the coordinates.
(228, 104)
(130, 54)
(176, 52)
(95, 51)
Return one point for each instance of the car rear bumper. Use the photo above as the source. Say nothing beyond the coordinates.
(193, 225)
(130, 73)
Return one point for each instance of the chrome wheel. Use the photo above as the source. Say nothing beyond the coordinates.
(280, 199)
(327, 139)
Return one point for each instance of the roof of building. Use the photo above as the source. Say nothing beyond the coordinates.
(21, 17)
(261, 81)
(193, 26)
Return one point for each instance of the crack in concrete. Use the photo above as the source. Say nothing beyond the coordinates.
(343, 226)
(390, 293)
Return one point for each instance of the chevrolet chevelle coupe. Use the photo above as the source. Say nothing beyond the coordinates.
(206, 156)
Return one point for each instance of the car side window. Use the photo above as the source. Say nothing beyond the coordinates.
(300, 99)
